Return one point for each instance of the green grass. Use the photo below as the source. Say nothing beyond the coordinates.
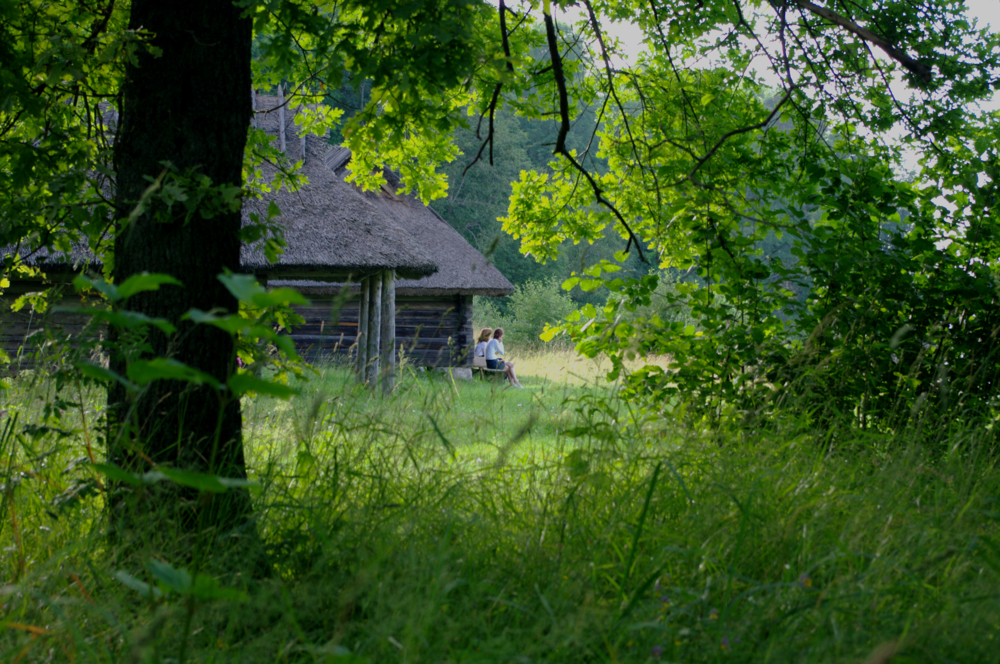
(465, 522)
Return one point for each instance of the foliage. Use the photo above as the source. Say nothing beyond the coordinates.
(531, 307)
(544, 530)
(710, 168)
(479, 194)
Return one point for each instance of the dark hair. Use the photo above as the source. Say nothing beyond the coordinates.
(497, 333)
(484, 334)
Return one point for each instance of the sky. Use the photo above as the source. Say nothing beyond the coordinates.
(986, 12)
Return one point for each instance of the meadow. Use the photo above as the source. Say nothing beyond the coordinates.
(459, 521)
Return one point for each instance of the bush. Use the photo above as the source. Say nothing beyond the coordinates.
(530, 307)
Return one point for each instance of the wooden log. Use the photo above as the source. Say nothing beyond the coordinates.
(374, 327)
(388, 341)
(361, 341)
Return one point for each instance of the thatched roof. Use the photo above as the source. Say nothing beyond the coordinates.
(332, 233)
(461, 268)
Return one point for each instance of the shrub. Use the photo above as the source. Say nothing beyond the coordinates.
(530, 307)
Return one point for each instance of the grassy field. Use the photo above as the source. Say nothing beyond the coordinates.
(466, 522)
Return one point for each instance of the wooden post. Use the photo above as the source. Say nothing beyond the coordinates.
(361, 340)
(388, 331)
(374, 327)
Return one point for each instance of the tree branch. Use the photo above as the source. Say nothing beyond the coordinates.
(919, 69)
(502, 9)
(564, 127)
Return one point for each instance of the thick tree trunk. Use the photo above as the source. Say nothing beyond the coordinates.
(186, 104)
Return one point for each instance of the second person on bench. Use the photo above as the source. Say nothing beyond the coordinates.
(494, 356)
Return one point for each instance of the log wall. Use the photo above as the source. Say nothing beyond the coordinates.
(430, 331)
(27, 336)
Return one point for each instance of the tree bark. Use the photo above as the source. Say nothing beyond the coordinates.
(186, 103)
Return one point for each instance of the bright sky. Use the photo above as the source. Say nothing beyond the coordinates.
(986, 13)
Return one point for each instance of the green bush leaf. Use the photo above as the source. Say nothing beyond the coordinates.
(97, 372)
(117, 474)
(196, 480)
(109, 290)
(145, 281)
(242, 383)
(144, 372)
(207, 588)
(178, 580)
(141, 587)
(230, 323)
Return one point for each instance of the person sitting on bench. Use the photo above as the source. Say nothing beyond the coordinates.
(484, 338)
(494, 357)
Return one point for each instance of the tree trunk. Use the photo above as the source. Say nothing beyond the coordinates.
(186, 105)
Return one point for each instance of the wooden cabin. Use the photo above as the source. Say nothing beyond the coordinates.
(433, 313)
(333, 235)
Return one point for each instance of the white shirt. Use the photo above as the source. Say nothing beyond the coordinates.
(480, 349)
(493, 349)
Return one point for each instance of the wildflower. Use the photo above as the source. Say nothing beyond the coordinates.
(805, 581)
(657, 652)
(724, 644)
(713, 614)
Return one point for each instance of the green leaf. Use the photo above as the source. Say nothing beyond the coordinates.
(144, 372)
(97, 372)
(208, 588)
(141, 587)
(242, 286)
(145, 281)
(242, 383)
(229, 323)
(127, 320)
(196, 480)
(272, 210)
(280, 297)
(178, 580)
(109, 290)
(117, 474)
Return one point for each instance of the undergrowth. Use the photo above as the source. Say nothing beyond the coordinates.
(465, 522)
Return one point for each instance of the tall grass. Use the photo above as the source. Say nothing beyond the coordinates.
(458, 521)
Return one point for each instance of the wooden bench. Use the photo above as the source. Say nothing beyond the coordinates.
(479, 366)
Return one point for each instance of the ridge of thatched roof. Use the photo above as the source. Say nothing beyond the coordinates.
(332, 233)
(461, 268)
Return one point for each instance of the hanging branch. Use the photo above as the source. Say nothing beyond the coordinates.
(735, 132)
(564, 127)
(919, 69)
(496, 90)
